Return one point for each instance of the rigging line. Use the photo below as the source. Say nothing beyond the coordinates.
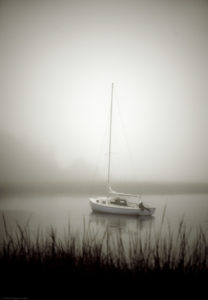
(110, 136)
(127, 143)
(98, 156)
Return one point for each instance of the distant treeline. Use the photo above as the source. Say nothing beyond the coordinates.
(94, 187)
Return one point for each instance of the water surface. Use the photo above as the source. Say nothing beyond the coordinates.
(61, 211)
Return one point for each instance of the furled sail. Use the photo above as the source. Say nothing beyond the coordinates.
(111, 191)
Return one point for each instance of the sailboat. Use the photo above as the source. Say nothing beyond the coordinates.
(116, 202)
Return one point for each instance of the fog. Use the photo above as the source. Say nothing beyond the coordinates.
(58, 59)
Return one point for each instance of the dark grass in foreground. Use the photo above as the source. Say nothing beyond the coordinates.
(43, 263)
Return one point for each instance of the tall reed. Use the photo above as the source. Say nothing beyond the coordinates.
(96, 250)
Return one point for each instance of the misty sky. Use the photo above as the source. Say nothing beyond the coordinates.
(58, 59)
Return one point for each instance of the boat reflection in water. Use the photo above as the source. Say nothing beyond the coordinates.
(122, 223)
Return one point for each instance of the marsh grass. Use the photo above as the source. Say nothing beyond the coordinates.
(29, 259)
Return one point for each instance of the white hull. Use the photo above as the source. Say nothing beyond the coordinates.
(103, 205)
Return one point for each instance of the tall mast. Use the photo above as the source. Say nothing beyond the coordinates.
(110, 135)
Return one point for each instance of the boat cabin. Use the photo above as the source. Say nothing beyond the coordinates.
(118, 201)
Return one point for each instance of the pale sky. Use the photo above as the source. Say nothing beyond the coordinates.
(58, 59)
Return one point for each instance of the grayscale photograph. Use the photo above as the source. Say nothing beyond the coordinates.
(103, 149)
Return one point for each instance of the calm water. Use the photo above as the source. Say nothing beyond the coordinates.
(59, 211)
